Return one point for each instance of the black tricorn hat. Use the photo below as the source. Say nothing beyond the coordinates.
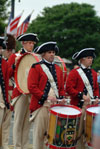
(48, 46)
(2, 42)
(28, 37)
(84, 53)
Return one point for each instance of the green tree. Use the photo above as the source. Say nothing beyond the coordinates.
(3, 14)
(74, 26)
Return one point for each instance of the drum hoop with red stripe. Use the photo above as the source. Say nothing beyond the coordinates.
(16, 70)
(63, 115)
(89, 112)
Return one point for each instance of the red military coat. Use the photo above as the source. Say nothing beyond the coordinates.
(11, 61)
(4, 68)
(75, 84)
(37, 80)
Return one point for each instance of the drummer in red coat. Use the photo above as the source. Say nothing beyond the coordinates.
(10, 48)
(82, 82)
(45, 83)
(20, 102)
(3, 84)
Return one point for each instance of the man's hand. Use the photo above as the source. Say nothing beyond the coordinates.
(96, 101)
(52, 99)
(62, 101)
(86, 99)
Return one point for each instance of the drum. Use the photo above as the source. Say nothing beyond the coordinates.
(59, 61)
(63, 126)
(91, 112)
(22, 69)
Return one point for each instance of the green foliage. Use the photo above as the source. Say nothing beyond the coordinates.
(18, 46)
(3, 14)
(96, 64)
(73, 26)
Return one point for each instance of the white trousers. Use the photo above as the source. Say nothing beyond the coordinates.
(6, 128)
(1, 120)
(1, 116)
(40, 125)
(5, 119)
(21, 123)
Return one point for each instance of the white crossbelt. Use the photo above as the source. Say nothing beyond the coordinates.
(50, 78)
(86, 82)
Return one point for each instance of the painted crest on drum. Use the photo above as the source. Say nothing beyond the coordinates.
(64, 132)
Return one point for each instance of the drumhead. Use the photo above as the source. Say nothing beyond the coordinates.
(22, 69)
(66, 110)
(93, 110)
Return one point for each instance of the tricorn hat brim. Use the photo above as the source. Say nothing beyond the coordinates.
(28, 37)
(84, 53)
(48, 46)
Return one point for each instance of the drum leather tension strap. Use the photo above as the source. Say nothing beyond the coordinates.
(50, 78)
(86, 82)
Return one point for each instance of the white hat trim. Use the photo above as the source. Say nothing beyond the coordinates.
(45, 44)
(27, 34)
(81, 52)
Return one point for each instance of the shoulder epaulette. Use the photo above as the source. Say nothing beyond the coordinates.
(33, 65)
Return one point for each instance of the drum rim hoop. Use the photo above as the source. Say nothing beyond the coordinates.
(89, 112)
(16, 70)
(63, 115)
(56, 147)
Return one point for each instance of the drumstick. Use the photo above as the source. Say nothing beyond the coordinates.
(91, 100)
(67, 100)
